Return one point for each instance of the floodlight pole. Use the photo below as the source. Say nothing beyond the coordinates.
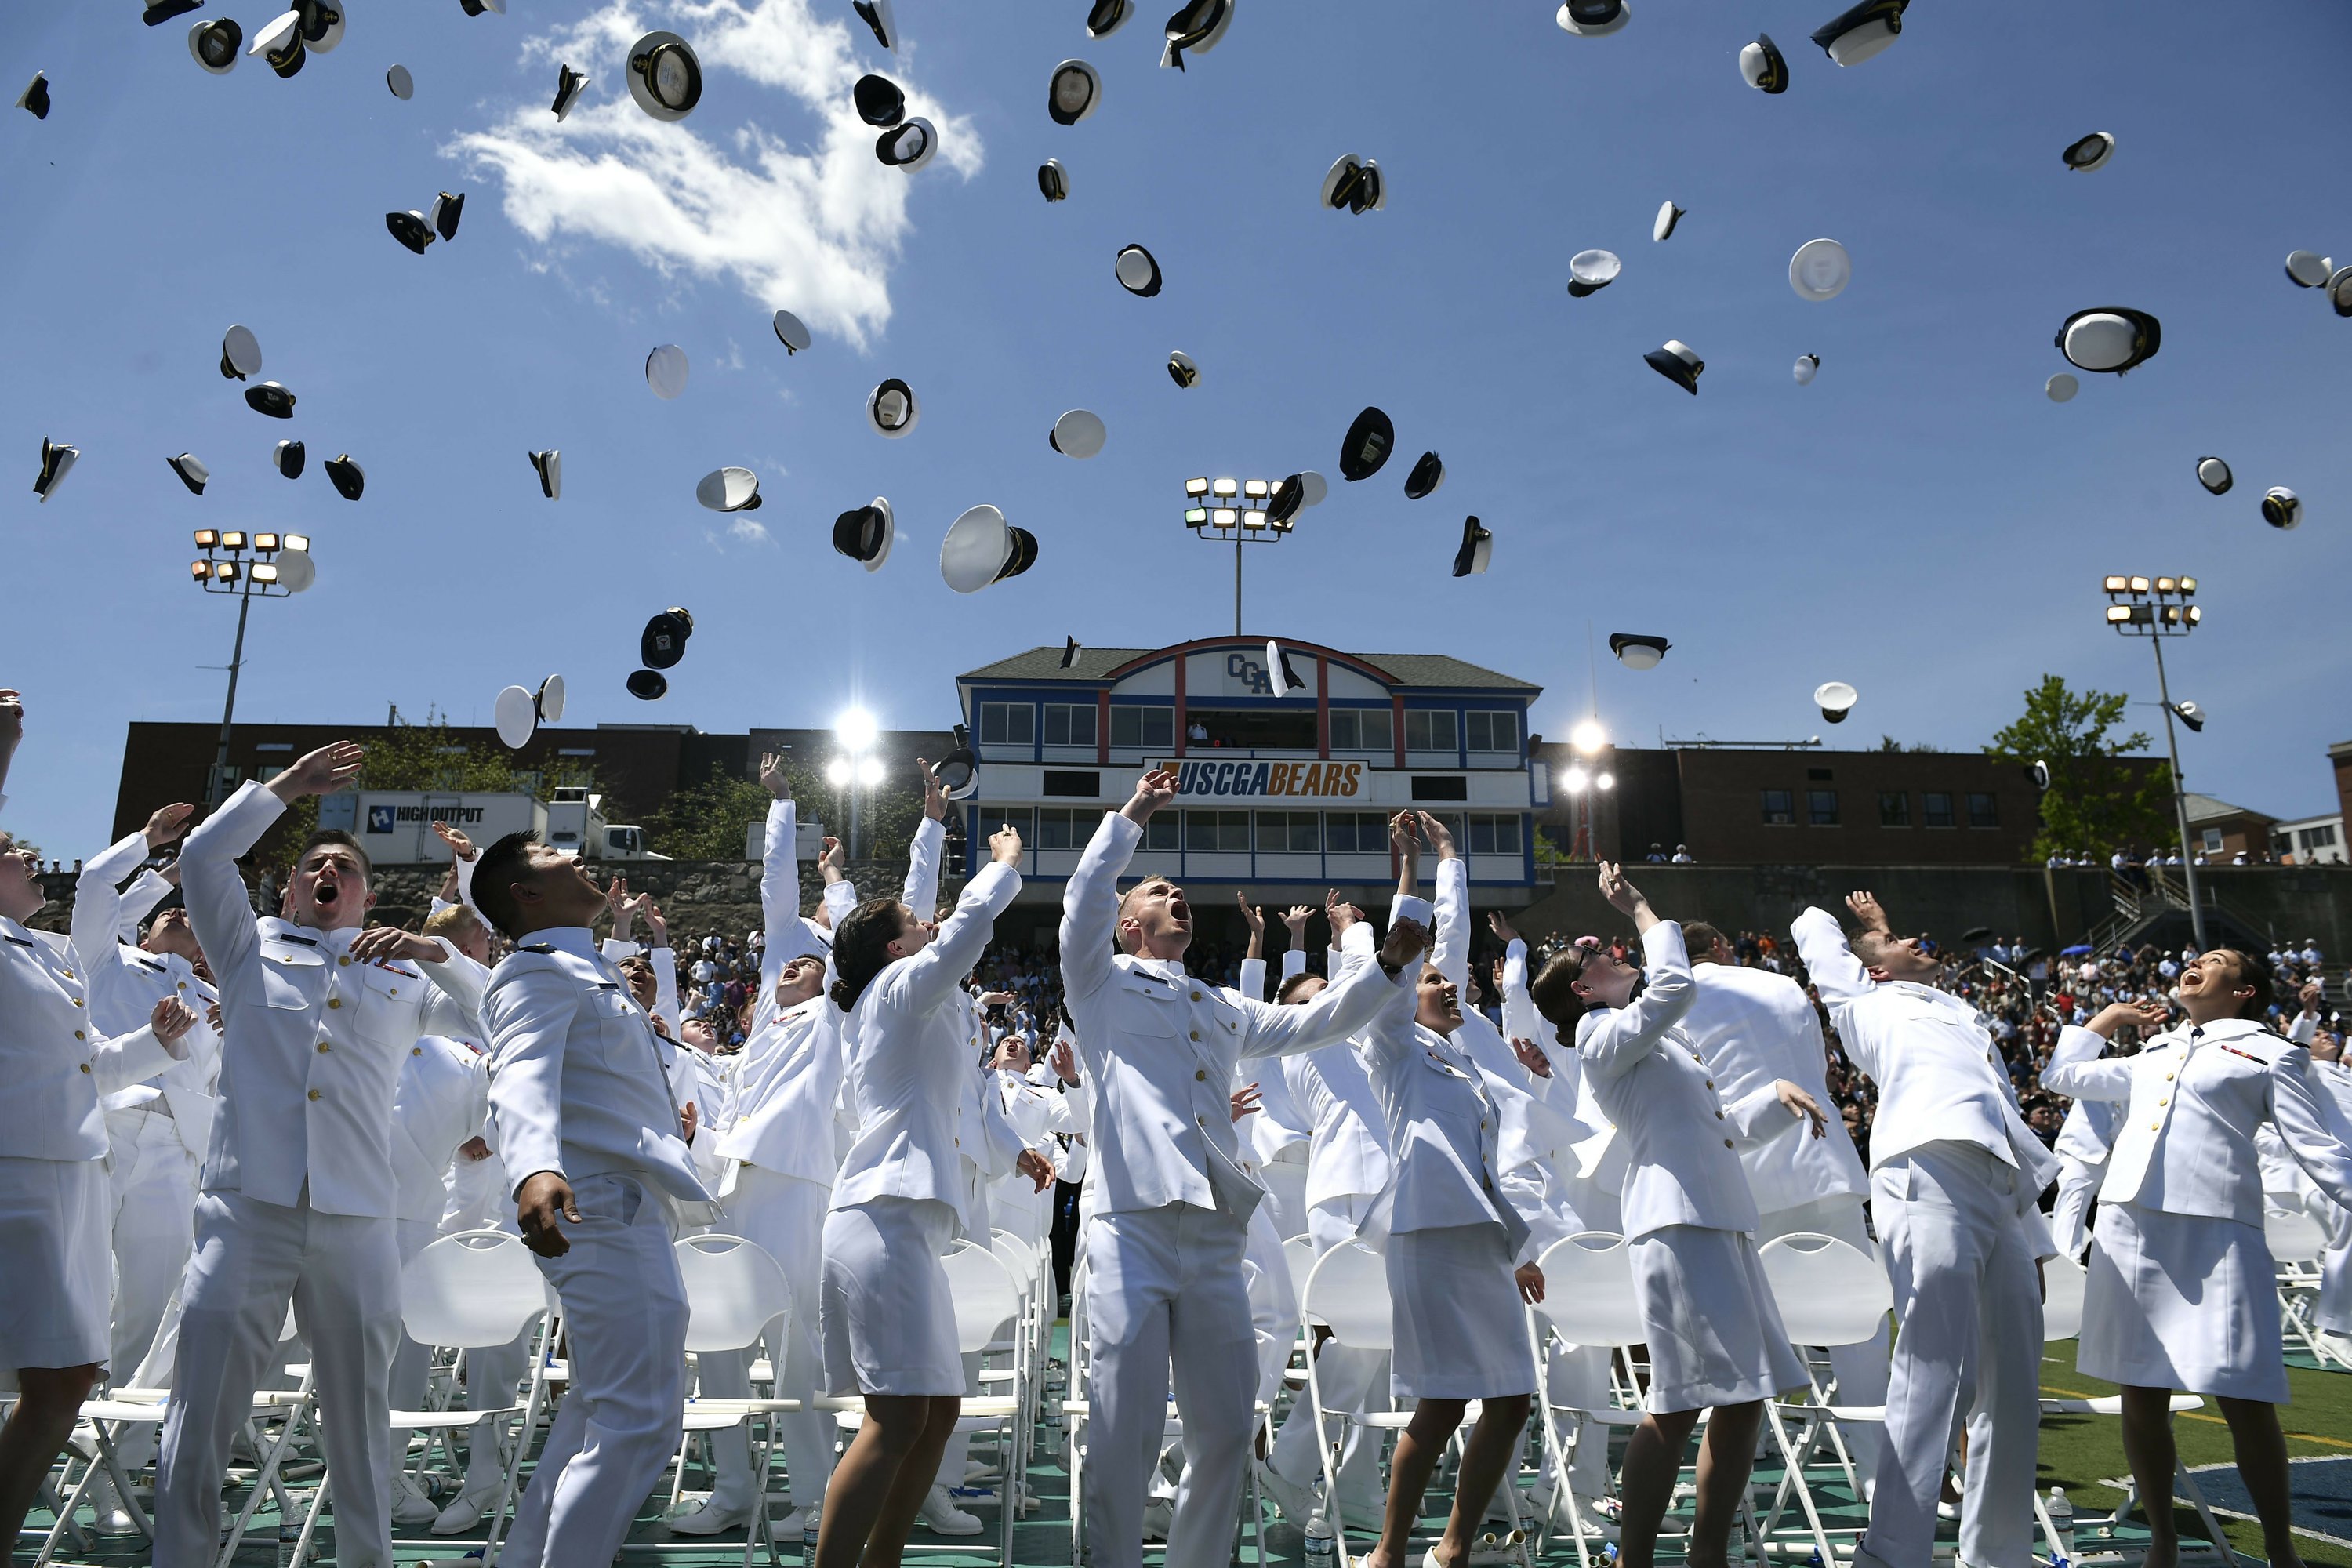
(214, 793)
(2179, 800)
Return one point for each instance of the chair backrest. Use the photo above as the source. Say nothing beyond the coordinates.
(2293, 1236)
(985, 1296)
(1019, 1257)
(1589, 1290)
(1829, 1292)
(1300, 1253)
(2062, 1283)
(1285, 1184)
(1347, 1292)
(470, 1289)
(733, 1289)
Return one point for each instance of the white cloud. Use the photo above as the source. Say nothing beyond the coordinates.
(812, 231)
(747, 530)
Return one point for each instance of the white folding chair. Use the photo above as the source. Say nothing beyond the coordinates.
(1588, 1300)
(1830, 1293)
(734, 1288)
(2297, 1243)
(1346, 1292)
(470, 1291)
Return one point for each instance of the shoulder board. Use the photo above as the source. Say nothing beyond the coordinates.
(20, 942)
(300, 940)
(145, 963)
(537, 947)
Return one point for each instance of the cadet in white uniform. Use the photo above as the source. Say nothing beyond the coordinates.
(1714, 1331)
(298, 1197)
(53, 1195)
(1957, 1182)
(1169, 1220)
(886, 1318)
(590, 1130)
(156, 1131)
(1758, 1029)
(1453, 1241)
(2181, 1293)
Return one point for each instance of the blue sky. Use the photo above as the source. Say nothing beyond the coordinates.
(1920, 520)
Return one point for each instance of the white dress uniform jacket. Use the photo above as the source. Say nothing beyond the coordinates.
(125, 983)
(909, 1065)
(1680, 1137)
(1159, 1047)
(1531, 1127)
(785, 1092)
(315, 1041)
(53, 1061)
(1755, 1028)
(2192, 1100)
(576, 1080)
(439, 1102)
(1442, 1131)
(1937, 1071)
(2087, 1132)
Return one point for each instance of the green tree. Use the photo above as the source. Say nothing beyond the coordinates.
(2100, 797)
(705, 821)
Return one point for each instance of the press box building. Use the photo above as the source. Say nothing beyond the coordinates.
(1282, 796)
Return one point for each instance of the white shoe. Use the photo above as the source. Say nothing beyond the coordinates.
(789, 1529)
(464, 1512)
(977, 1470)
(709, 1517)
(409, 1506)
(1159, 1515)
(1298, 1502)
(108, 1516)
(940, 1516)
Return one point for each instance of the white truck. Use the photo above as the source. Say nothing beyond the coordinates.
(395, 827)
(575, 821)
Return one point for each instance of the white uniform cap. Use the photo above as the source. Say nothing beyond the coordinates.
(1078, 434)
(666, 370)
(1820, 270)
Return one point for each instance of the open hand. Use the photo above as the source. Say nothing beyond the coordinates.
(1405, 942)
(1623, 896)
(1152, 791)
(539, 1204)
(1440, 838)
(2149, 1018)
(1504, 931)
(1340, 915)
(1295, 918)
(380, 942)
(1531, 1055)
(1034, 1167)
(1531, 1281)
(1004, 847)
(1252, 916)
(772, 775)
(460, 846)
(324, 772)
(2309, 998)
(1868, 910)
(168, 823)
(1246, 1100)
(1064, 1062)
(935, 796)
(1800, 1104)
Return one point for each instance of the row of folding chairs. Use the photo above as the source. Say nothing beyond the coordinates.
(478, 1289)
(2298, 1249)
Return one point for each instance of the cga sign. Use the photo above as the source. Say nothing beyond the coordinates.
(1268, 781)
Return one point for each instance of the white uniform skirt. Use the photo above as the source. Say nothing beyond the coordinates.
(60, 1263)
(1715, 1332)
(2184, 1302)
(885, 1312)
(1458, 1327)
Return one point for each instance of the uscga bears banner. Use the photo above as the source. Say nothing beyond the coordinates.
(1247, 780)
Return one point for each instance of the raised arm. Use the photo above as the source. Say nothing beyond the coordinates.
(1340, 1008)
(1090, 898)
(930, 977)
(98, 903)
(780, 861)
(1610, 1042)
(2308, 1128)
(2077, 1068)
(1837, 974)
(1389, 1035)
(1450, 955)
(219, 908)
(664, 963)
(921, 893)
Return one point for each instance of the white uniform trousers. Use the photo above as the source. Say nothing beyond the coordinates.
(625, 1315)
(1861, 1369)
(785, 1217)
(1970, 1309)
(1353, 1380)
(2070, 1220)
(152, 1185)
(1165, 1291)
(342, 1274)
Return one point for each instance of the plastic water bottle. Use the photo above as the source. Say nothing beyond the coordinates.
(1322, 1548)
(808, 1539)
(2061, 1525)
(288, 1536)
